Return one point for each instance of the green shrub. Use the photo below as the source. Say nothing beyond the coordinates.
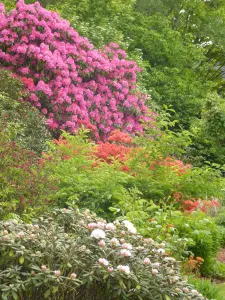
(19, 119)
(111, 174)
(186, 234)
(71, 255)
(80, 181)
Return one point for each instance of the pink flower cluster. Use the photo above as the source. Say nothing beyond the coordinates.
(68, 80)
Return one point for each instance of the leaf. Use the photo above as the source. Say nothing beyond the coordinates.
(55, 289)
(21, 260)
(168, 298)
(47, 294)
(15, 297)
(114, 209)
(138, 287)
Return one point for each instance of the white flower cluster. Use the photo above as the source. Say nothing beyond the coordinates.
(130, 227)
(98, 234)
(124, 269)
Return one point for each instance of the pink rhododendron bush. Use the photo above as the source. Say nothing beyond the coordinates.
(74, 255)
(70, 81)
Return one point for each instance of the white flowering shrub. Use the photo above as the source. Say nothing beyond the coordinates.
(72, 255)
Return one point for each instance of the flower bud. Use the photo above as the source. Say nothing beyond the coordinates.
(73, 276)
(110, 269)
(44, 268)
(21, 235)
(101, 244)
(57, 273)
(154, 272)
(146, 261)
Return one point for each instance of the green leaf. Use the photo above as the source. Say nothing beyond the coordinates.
(47, 294)
(55, 289)
(15, 297)
(21, 260)
(114, 209)
(11, 253)
(138, 287)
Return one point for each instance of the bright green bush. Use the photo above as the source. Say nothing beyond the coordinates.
(18, 119)
(186, 234)
(142, 171)
(74, 255)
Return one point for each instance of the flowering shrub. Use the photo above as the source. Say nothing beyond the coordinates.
(71, 255)
(107, 152)
(70, 81)
(118, 173)
(117, 147)
(24, 185)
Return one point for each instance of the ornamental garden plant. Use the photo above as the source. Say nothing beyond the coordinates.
(68, 80)
(162, 196)
(121, 170)
(72, 255)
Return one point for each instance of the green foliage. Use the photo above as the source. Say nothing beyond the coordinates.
(218, 270)
(9, 4)
(220, 220)
(208, 289)
(208, 135)
(143, 187)
(19, 120)
(185, 234)
(25, 187)
(79, 182)
(99, 20)
(149, 174)
(198, 28)
(72, 255)
(206, 235)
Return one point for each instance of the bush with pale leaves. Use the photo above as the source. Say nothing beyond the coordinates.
(72, 255)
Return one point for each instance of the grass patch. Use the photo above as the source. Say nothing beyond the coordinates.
(208, 289)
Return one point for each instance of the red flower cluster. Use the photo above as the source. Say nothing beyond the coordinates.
(116, 147)
(176, 165)
(120, 137)
(108, 152)
(125, 168)
(203, 205)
